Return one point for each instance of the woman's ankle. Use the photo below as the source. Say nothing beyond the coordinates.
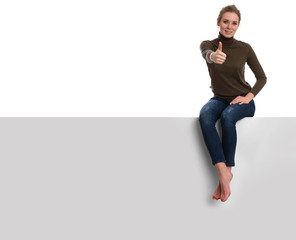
(221, 167)
(223, 170)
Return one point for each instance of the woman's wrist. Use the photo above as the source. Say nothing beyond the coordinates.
(208, 56)
(250, 96)
(211, 56)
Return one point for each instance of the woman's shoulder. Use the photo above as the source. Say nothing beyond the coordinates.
(246, 47)
(243, 44)
(213, 41)
(209, 44)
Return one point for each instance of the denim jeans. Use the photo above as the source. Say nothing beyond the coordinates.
(217, 108)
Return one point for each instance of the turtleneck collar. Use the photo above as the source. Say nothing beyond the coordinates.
(226, 41)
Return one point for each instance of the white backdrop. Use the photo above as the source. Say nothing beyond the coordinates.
(133, 58)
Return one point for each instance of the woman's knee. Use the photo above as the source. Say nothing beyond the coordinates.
(227, 118)
(206, 120)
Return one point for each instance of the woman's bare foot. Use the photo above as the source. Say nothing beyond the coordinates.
(217, 194)
(225, 176)
(225, 187)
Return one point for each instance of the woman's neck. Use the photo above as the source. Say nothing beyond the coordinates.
(226, 41)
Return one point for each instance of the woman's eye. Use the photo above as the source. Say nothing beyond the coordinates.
(226, 21)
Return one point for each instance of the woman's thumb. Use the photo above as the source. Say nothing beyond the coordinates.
(220, 46)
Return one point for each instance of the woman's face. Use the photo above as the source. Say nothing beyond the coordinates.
(228, 24)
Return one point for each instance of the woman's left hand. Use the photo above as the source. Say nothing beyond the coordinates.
(242, 100)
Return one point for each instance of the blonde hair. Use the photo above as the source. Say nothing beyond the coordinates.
(229, 8)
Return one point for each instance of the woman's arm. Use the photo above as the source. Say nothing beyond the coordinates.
(206, 48)
(211, 56)
(257, 69)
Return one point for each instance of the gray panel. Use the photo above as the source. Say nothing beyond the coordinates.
(142, 178)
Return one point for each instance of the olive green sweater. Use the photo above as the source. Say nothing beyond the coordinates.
(227, 79)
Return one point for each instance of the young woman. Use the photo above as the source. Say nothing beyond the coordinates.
(233, 96)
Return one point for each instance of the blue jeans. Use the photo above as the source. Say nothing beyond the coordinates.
(217, 108)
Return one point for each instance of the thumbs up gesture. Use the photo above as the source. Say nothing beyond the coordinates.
(218, 57)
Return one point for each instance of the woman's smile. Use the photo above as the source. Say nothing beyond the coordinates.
(228, 24)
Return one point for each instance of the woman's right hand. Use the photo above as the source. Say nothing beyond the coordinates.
(218, 57)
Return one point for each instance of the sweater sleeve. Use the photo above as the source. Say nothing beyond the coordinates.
(257, 69)
(206, 50)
